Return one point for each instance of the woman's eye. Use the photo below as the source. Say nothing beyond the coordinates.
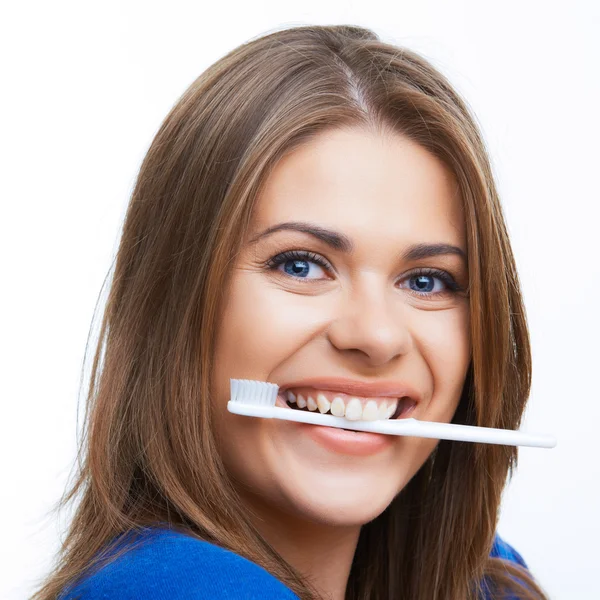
(423, 283)
(299, 264)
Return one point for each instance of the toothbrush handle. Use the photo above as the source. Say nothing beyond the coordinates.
(466, 433)
(405, 427)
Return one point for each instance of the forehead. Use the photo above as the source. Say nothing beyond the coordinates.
(365, 184)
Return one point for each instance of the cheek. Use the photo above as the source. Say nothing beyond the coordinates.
(445, 343)
(264, 324)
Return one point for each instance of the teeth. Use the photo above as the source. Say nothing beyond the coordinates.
(354, 410)
(338, 407)
(370, 411)
(323, 404)
(301, 401)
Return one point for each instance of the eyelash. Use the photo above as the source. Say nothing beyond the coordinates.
(453, 287)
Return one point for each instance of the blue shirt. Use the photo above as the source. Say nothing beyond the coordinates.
(168, 565)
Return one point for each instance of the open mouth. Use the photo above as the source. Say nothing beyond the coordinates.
(351, 407)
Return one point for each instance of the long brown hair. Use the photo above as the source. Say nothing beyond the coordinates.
(148, 453)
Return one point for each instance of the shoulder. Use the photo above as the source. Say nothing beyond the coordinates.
(164, 564)
(501, 549)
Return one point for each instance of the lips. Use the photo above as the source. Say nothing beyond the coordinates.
(404, 396)
(355, 400)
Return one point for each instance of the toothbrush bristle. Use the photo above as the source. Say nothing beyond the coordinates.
(260, 393)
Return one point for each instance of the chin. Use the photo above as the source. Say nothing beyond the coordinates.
(341, 499)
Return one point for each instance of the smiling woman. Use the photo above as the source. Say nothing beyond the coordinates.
(317, 211)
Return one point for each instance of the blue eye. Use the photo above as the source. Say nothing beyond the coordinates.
(296, 263)
(425, 279)
(297, 266)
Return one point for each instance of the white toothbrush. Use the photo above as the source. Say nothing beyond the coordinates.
(257, 399)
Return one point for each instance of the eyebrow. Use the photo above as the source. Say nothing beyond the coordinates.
(341, 242)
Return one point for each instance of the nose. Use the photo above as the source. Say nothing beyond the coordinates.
(370, 321)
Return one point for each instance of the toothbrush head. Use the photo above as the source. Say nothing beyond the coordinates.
(256, 393)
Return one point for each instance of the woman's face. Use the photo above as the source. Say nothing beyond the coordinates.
(357, 302)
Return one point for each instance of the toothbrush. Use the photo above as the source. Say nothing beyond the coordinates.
(257, 399)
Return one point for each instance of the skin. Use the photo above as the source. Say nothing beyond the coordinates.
(362, 319)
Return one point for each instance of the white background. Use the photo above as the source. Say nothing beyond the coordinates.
(85, 87)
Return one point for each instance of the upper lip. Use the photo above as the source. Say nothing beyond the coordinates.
(389, 389)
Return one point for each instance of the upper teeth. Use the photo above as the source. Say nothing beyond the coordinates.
(341, 405)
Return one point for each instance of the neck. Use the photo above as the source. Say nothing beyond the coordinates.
(323, 554)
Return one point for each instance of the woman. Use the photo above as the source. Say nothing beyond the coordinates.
(317, 211)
